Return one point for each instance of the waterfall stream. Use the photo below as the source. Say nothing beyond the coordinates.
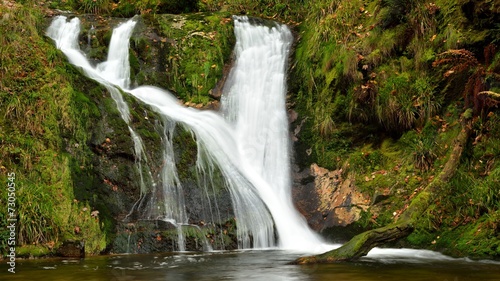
(248, 141)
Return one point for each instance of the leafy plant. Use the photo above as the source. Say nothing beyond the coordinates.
(422, 146)
(424, 154)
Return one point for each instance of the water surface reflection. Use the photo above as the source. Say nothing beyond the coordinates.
(256, 265)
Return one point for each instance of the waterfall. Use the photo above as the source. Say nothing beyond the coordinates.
(247, 141)
(254, 103)
(113, 74)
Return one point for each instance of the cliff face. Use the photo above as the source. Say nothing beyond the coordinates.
(377, 89)
(331, 204)
(76, 171)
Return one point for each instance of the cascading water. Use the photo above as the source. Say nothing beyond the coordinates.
(254, 102)
(115, 71)
(248, 143)
(114, 74)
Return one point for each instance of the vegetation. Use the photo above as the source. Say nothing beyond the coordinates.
(404, 72)
(45, 119)
(383, 89)
(198, 48)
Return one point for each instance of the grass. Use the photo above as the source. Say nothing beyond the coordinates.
(362, 76)
(41, 115)
(94, 6)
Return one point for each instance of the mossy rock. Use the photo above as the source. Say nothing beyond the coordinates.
(33, 251)
(193, 50)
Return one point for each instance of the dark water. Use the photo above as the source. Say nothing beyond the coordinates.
(255, 265)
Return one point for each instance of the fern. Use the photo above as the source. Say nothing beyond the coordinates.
(463, 60)
(459, 60)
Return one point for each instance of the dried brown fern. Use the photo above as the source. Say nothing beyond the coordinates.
(491, 99)
(489, 53)
(464, 60)
(459, 60)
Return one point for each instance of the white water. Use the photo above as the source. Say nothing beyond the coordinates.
(254, 103)
(114, 73)
(167, 202)
(249, 144)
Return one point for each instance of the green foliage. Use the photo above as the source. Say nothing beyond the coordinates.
(210, 5)
(45, 125)
(282, 10)
(397, 11)
(177, 6)
(94, 6)
(398, 101)
(201, 45)
(64, 5)
(422, 146)
(126, 9)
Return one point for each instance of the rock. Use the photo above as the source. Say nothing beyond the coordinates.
(298, 128)
(292, 116)
(213, 105)
(72, 249)
(153, 236)
(327, 200)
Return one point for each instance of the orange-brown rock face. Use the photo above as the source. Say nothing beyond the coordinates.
(326, 200)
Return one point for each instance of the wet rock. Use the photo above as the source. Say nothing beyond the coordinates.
(305, 198)
(292, 116)
(216, 92)
(111, 180)
(155, 236)
(72, 249)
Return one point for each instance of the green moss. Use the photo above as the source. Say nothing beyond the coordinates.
(476, 240)
(33, 251)
(421, 238)
(197, 48)
(45, 128)
(366, 160)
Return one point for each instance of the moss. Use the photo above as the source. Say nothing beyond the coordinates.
(194, 49)
(33, 251)
(475, 240)
(45, 128)
(367, 160)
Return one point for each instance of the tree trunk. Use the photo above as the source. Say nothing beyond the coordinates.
(362, 243)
